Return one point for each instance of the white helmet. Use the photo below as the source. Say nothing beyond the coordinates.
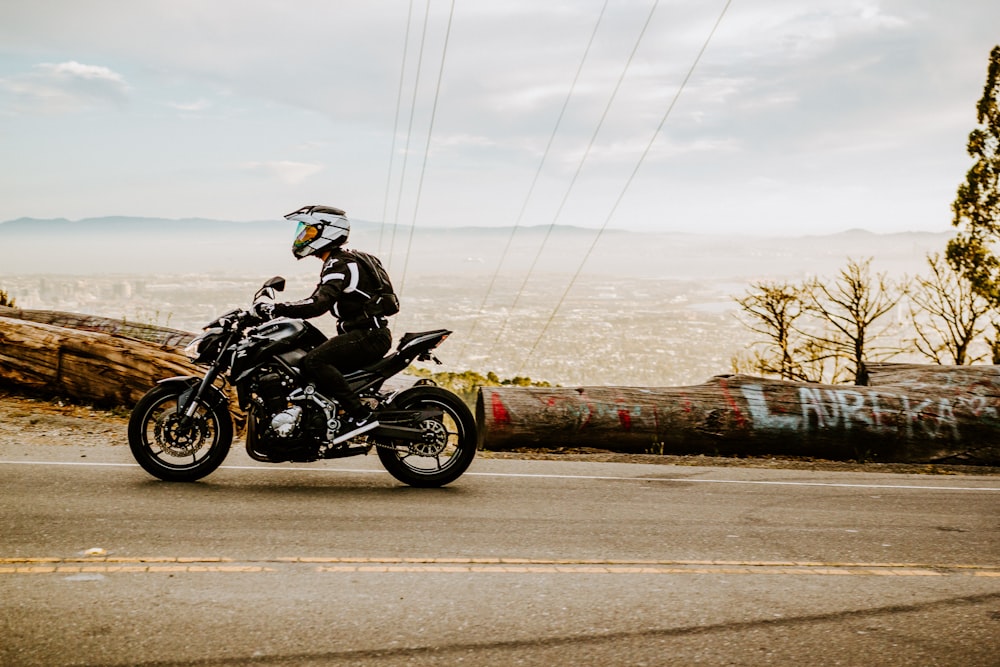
(320, 228)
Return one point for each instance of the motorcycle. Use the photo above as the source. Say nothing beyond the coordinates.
(182, 429)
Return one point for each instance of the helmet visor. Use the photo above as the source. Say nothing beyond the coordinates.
(304, 234)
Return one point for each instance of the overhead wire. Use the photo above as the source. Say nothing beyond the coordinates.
(579, 168)
(628, 182)
(534, 182)
(395, 128)
(427, 147)
(409, 132)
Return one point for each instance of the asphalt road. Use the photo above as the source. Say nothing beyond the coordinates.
(517, 563)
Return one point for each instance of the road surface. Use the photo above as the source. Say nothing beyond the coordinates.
(519, 562)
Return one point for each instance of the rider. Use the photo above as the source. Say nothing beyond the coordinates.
(345, 287)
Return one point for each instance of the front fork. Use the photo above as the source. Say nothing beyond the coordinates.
(187, 403)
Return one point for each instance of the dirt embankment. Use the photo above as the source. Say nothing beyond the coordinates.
(34, 421)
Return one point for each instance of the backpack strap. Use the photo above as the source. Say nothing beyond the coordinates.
(383, 301)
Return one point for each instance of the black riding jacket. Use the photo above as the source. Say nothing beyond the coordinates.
(344, 288)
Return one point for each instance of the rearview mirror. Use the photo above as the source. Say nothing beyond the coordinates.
(275, 284)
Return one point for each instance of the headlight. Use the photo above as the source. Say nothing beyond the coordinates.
(204, 345)
(191, 351)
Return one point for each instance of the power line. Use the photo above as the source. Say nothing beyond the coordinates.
(628, 183)
(427, 147)
(534, 182)
(395, 127)
(576, 175)
(409, 130)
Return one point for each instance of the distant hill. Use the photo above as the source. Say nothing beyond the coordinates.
(261, 248)
(123, 224)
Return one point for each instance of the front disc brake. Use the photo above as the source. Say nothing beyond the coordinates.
(180, 440)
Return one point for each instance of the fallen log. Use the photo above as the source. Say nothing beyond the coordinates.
(962, 379)
(101, 368)
(147, 332)
(748, 416)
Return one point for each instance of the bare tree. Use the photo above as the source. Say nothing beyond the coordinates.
(948, 314)
(777, 311)
(771, 309)
(821, 364)
(850, 307)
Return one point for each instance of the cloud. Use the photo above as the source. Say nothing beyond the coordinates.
(63, 88)
(829, 91)
(291, 173)
(73, 69)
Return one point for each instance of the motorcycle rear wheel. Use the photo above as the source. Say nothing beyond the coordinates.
(174, 449)
(448, 446)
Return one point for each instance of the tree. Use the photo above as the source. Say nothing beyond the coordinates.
(772, 310)
(977, 204)
(851, 306)
(947, 314)
(822, 330)
(6, 300)
(994, 344)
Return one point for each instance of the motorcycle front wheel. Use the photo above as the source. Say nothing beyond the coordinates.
(448, 444)
(173, 447)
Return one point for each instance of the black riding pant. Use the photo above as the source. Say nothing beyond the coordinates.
(347, 352)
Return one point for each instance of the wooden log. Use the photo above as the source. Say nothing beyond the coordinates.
(86, 365)
(961, 378)
(148, 332)
(748, 416)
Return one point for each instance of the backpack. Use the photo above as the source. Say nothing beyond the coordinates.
(383, 301)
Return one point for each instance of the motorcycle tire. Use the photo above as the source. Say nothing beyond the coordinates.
(168, 448)
(447, 449)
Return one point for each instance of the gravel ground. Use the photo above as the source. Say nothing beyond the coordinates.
(30, 420)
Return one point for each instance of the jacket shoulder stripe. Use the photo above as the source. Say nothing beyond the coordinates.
(352, 267)
(333, 276)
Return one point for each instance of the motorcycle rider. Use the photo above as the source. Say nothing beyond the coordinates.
(345, 287)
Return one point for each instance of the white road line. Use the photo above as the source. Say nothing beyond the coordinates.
(611, 478)
(745, 481)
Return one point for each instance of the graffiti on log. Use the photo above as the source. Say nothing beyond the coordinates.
(748, 415)
(878, 411)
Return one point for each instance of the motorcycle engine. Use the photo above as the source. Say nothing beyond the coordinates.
(271, 393)
(285, 432)
(285, 423)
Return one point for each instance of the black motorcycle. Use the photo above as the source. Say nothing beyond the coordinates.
(182, 429)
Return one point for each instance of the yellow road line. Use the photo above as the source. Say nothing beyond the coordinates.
(114, 569)
(176, 564)
(593, 569)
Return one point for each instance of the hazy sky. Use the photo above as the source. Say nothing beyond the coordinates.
(803, 116)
